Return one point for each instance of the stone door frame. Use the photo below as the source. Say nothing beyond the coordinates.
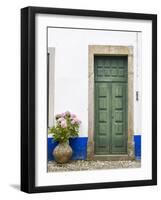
(110, 50)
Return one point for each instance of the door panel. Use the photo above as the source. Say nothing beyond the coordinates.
(110, 68)
(119, 118)
(102, 118)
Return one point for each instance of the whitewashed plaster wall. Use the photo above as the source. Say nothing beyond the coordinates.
(71, 69)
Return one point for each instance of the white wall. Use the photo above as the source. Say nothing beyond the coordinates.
(71, 68)
(10, 100)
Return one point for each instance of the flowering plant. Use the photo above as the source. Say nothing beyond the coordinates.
(67, 126)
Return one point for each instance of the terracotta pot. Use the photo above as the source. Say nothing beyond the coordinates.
(62, 152)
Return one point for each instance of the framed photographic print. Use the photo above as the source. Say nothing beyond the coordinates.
(88, 99)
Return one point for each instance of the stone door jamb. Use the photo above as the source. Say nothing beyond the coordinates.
(108, 50)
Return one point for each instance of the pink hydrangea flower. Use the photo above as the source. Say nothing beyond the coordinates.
(67, 113)
(64, 124)
(57, 116)
(63, 115)
(73, 122)
(73, 116)
(60, 119)
(79, 121)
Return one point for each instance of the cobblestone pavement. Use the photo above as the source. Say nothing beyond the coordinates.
(91, 165)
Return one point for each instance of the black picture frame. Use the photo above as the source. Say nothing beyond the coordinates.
(28, 98)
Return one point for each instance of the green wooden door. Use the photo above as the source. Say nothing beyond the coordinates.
(110, 105)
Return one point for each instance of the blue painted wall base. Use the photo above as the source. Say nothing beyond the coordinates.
(137, 142)
(51, 145)
(79, 146)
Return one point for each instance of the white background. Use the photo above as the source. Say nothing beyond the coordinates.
(10, 99)
(43, 178)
